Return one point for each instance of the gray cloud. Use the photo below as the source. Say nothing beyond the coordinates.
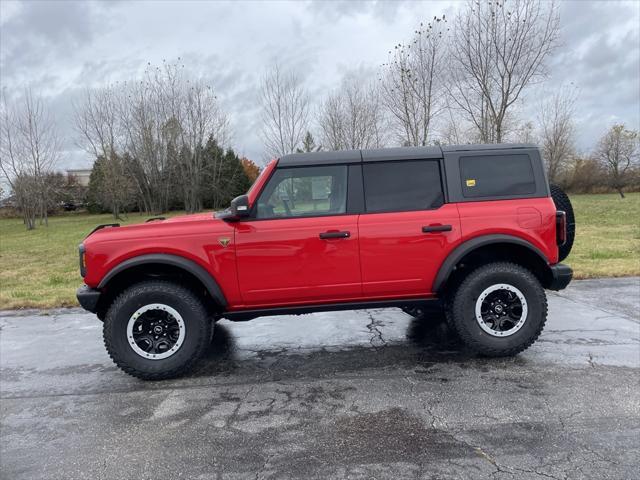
(62, 47)
(331, 11)
(39, 33)
(600, 55)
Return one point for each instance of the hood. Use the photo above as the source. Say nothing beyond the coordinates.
(180, 225)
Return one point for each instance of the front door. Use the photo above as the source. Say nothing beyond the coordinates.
(301, 246)
(407, 230)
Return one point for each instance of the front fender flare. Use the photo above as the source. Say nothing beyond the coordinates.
(174, 260)
(467, 247)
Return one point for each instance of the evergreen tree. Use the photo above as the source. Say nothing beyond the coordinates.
(309, 144)
(212, 162)
(234, 179)
(224, 178)
(95, 181)
(111, 187)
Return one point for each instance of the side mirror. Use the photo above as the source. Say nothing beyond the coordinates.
(238, 209)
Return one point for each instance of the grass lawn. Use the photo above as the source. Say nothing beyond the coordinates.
(40, 268)
(607, 236)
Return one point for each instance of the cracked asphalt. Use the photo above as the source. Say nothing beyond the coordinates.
(364, 394)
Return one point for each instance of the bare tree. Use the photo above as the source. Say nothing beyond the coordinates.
(163, 122)
(29, 150)
(148, 130)
(557, 131)
(618, 152)
(103, 121)
(412, 82)
(352, 117)
(285, 112)
(499, 49)
(199, 116)
(98, 122)
(526, 133)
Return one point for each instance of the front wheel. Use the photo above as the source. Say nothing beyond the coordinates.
(156, 330)
(499, 310)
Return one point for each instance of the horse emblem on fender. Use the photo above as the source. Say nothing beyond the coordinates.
(224, 241)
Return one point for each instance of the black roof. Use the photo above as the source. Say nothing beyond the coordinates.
(487, 146)
(401, 153)
(380, 154)
(319, 158)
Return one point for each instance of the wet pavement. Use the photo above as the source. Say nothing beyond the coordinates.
(364, 394)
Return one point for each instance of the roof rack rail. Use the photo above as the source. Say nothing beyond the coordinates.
(153, 219)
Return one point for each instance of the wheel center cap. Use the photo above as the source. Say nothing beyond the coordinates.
(498, 308)
(157, 329)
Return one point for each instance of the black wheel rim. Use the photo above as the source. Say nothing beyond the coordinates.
(501, 310)
(155, 331)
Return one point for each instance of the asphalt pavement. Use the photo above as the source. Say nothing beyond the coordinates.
(362, 394)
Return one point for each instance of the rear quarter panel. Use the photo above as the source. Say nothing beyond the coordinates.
(531, 219)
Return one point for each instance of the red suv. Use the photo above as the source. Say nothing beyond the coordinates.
(476, 229)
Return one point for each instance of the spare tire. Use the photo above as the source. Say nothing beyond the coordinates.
(563, 203)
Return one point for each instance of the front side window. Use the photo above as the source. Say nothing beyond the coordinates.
(304, 191)
(496, 175)
(402, 186)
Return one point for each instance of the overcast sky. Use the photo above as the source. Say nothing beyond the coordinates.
(61, 47)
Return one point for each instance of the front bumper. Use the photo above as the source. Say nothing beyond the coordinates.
(561, 275)
(88, 298)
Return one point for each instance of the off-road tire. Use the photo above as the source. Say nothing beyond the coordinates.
(198, 329)
(462, 314)
(448, 317)
(563, 203)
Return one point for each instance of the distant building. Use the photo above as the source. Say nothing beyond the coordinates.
(81, 175)
(8, 202)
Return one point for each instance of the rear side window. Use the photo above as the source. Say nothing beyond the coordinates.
(496, 175)
(402, 186)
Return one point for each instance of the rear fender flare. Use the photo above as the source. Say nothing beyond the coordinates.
(470, 245)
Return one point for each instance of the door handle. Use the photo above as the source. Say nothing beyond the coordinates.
(436, 228)
(328, 235)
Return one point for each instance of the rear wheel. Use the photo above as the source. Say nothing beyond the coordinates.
(499, 310)
(156, 330)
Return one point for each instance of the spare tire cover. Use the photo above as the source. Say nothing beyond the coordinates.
(563, 203)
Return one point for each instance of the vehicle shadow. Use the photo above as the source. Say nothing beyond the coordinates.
(425, 342)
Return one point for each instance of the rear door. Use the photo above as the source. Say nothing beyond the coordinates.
(407, 230)
(302, 245)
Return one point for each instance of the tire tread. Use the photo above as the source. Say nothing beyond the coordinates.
(187, 296)
(455, 315)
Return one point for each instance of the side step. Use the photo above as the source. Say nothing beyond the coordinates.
(243, 315)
